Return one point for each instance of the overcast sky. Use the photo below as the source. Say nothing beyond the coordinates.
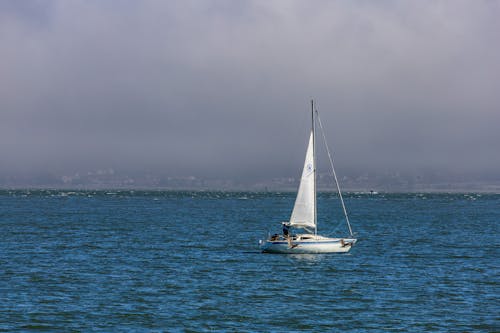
(223, 88)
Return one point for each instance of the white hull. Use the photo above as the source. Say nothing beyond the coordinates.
(307, 244)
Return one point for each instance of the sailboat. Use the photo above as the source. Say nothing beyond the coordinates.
(304, 213)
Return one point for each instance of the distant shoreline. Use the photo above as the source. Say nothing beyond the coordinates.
(364, 191)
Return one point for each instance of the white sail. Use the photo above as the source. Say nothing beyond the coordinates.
(303, 214)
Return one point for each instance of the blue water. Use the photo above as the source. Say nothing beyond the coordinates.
(124, 261)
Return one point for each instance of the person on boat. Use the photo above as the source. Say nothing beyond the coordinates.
(286, 229)
(286, 234)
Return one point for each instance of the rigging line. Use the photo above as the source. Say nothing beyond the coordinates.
(333, 171)
(334, 230)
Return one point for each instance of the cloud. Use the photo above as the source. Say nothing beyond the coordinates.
(222, 88)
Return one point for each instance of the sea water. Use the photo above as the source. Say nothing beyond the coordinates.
(152, 261)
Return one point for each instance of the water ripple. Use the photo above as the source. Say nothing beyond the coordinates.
(153, 261)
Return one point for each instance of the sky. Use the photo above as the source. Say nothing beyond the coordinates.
(222, 89)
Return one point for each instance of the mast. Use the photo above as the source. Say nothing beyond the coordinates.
(314, 167)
